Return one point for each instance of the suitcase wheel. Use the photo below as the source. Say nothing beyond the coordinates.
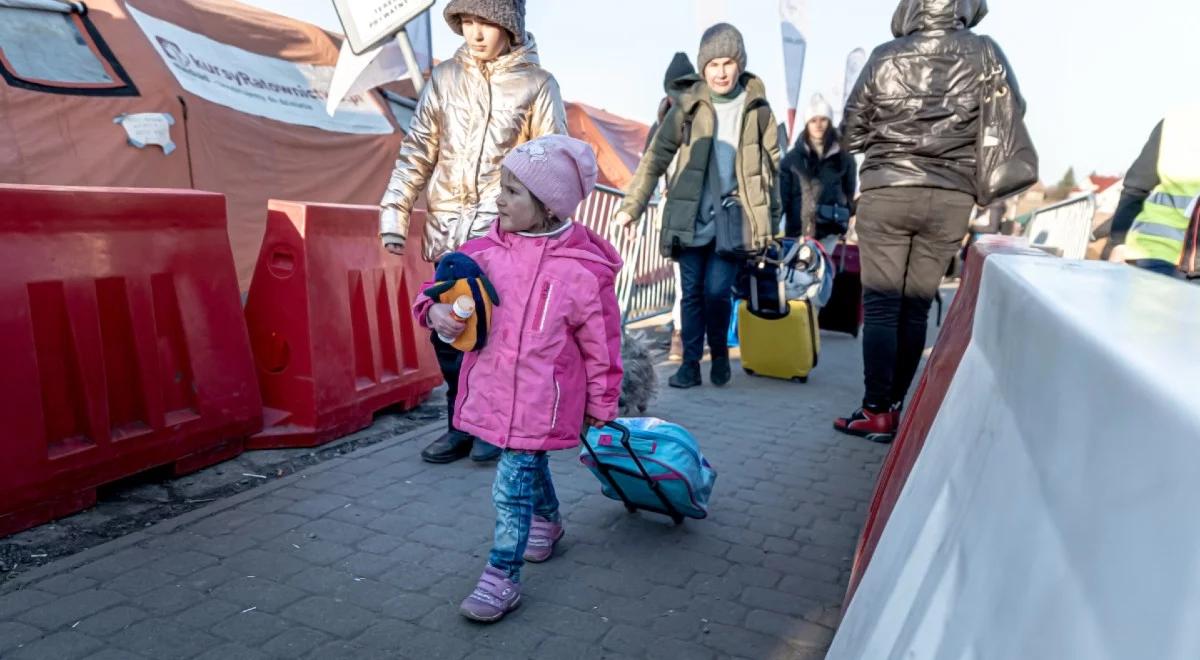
(631, 508)
(800, 379)
(678, 519)
(749, 372)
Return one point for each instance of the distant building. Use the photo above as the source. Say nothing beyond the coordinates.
(1108, 192)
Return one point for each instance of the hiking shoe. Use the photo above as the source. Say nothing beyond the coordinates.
(865, 424)
(494, 596)
(688, 376)
(543, 535)
(483, 452)
(720, 373)
(450, 447)
(676, 354)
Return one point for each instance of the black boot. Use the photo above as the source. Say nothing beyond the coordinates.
(688, 376)
(721, 373)
(452, 446)
(482, 452)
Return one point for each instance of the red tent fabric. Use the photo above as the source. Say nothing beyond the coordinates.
(63, 133)
(618, 141)
(68, 137)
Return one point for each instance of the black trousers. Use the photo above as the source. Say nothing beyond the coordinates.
(450, 362)
(907, 237)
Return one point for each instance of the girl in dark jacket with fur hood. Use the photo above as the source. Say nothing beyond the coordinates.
(818, 180)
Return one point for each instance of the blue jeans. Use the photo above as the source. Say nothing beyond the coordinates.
(523, 488)
(707, 280)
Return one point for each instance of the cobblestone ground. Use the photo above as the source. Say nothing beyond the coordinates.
(367, 556)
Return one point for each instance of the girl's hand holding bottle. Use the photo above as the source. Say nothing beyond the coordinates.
(444, 322)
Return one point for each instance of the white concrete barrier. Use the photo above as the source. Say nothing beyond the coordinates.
(1053, 512)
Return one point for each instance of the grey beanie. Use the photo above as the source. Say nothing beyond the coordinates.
(508, 14)
(722, 40)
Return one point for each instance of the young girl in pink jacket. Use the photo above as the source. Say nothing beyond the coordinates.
(553, 358)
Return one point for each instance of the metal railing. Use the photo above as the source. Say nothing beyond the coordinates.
(1064, 228)
(646, 284)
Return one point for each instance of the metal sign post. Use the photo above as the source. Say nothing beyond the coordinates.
(410, 60)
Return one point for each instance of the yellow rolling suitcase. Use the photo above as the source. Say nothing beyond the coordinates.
(784, 347)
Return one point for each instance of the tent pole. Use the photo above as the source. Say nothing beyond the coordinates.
(410, 61)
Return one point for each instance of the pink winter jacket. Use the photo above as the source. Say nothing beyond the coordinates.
(554, 348)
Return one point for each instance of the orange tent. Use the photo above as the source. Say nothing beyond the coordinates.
(62, 131)
(243, 89)
(618, 141)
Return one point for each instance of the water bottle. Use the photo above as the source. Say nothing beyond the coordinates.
(462, 310)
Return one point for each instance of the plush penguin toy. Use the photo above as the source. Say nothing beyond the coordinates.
(458, 275)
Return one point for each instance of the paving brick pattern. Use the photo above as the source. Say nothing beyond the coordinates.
(368, 556)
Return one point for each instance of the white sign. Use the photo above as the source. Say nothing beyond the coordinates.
(369, 23)
(256, 84)
(147, 128)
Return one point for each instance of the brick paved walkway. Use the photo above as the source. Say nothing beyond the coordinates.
(368, 556)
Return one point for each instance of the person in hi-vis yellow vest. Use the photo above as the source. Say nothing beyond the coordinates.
(1151, 221)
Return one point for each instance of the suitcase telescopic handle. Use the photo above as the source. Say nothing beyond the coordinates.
(623, 430)
(625, 436)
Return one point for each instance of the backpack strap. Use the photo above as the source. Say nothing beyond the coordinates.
(764, 120)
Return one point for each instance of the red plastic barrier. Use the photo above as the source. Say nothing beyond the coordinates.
(122, 343)
(927, 401)
(332, 334)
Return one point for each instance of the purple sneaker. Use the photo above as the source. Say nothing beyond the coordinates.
(494, 596)
(543, 534)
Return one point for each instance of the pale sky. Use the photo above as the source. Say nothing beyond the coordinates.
(1097, 74)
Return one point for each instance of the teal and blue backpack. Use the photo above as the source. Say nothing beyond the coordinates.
(652, 465)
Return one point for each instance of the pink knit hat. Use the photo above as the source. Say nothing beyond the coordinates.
(559, 170)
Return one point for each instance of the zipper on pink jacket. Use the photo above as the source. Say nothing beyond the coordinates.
(543, 305)
(512, 412)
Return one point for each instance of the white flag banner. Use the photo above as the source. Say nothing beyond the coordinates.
(259, 85)
(836, 94)
(357, 74)
(855, 62)
(793, 16)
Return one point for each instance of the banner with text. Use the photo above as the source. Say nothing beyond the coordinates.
(260, 85)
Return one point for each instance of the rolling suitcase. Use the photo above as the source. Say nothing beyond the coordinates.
(785, 347)
(844, 311)
(651, 465)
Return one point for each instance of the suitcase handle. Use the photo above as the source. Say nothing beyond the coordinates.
(625, 436)
(607, 441)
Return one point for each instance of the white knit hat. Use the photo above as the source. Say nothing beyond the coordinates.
(818, 107)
